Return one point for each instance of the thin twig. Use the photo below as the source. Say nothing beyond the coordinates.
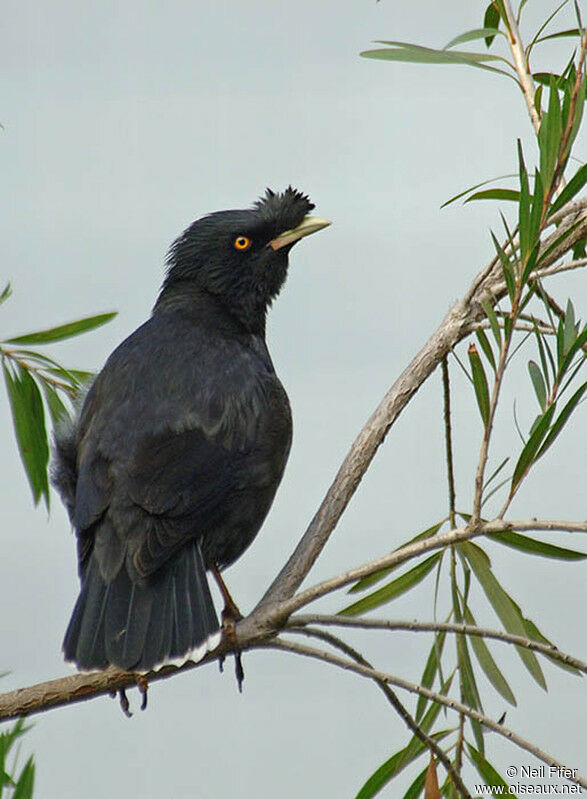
(394, 700)
(565, 267)
(416, 549)
(525, 78)
(373, 674)
(448, 443)
(549, 650)
(484, 451)
(550, 301)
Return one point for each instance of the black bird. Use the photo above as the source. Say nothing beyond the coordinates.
(173, 461)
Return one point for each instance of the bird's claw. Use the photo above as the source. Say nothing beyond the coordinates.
(229, 618)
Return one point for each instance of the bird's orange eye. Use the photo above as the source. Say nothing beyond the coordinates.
(242, 243)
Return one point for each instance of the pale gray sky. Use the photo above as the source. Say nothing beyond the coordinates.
(123, 122)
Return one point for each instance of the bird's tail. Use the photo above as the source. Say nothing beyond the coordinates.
(170, 618)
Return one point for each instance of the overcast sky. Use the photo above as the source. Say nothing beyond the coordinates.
(123, 122)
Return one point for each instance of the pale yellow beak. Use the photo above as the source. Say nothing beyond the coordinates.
(309, 224)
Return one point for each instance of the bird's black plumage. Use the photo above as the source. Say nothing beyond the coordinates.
(173, 461)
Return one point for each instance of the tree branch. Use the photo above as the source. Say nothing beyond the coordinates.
(549, 650)
(525, 78)
(415, 549)
(420, 690)
(458, 323)
(393, 699)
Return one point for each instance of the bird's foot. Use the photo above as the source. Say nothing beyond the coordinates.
(230, 616)
(143, 687)
(229, 619)
(124, 703)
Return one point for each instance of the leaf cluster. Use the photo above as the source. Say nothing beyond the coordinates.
(36, 384)
(560, 341)
(15, 783)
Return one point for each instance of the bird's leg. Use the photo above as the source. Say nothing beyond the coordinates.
(230, 615)
(230, 609)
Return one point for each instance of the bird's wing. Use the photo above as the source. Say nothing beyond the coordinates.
(183, 483)
(165, 443)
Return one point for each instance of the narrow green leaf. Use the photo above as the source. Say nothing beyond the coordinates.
(468, 682)
(507, 268)
(560, 345)
(495, 472)
(367, 582)
(538, 383)
(534, 634)
(546, 78)
(430, 671)
(556, 242)
(579, 250)
(529, 452)
(536, 213)
(472, 35)
(533, 546)
(416, 788)
(393, 766)
(393, 589)
(405, 52)
(549, 135)
(577, 344)
(486, 771)
(544, 25)
(425, 724)
(561, 34)
(570, 331)
(578, 117)
(56, 407)
(28, 419)
(524, 206)
(479, 383)
(454, 56)
(6, 293)
(572, 188)
(494, 490)
(570, 377)
(543, 349)
(495, 194)
(486, 347)
(488, 664)
(492, 317)
(491, 20)
(511, 243)
(538, 99)
(26, 781)
(561, 420)
(62, 331)
(472, 188)
(502, 604)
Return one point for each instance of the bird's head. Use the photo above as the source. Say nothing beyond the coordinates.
(241, 256)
